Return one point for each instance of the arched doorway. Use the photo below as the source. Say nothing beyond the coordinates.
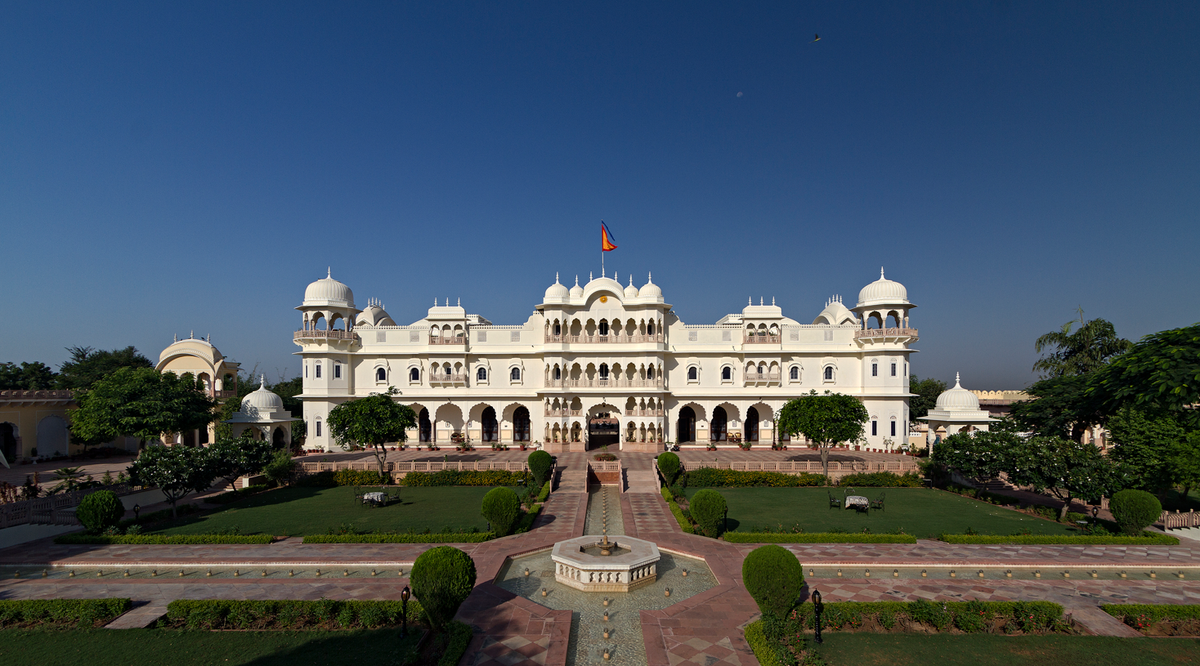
(278, 438)
(719, 423)
(8, 441)
(751, 433)
(686, 428)
(425, 426)
(521, 425)
(491, 427)
(604, 429)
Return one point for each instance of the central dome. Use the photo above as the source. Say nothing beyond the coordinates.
(328, 291)
(261, 402)
(882, 291)
(957, 399)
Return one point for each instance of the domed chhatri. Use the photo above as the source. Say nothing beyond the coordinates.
(576, 291)
(883, 292)
(557, 291)
(957, 410)
(631, 291)
(957, 399)
(374, 315)
(651, 290)
(328, 292)
(261, 401)
(263, 416)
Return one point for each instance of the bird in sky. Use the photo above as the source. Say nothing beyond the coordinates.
(816, 38)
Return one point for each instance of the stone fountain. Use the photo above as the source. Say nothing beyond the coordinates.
(581, 563)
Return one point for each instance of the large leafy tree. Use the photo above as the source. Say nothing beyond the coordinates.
(925, 394)
(1064, 468)
(234, 457)
(88, 365)
(141, 403)
(1063, 407)
(825, 419)
(175, 470)
(1146, 444)
(1184, 462)
(1160, 375)
(35, 376)
(980, 455)
(1081, 351)
(371, 423)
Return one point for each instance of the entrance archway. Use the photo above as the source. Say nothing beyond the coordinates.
(8, 441)
(521, 425)
(686, 428)
(426, 427)
(278, 438)
(751, 430)
(720, 421)
(604, 428)
(491, 427)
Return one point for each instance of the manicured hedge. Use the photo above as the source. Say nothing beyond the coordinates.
(400, 537)
(164, 539)
(711, 477)
(684, 523)
(540, 463)
(1134, 510)
(460, 638)
(60, 613)
(359, 477)
(100, 510)
(527, 518)
(544, 493)
(452, 477)
(774, 578)
(1149, 539)
(708, 508)
(324, 614)
(966, 616)
(882, 480)
(502, 509)
(760, 645)
(816, 537)
(668, 464)
(1141, 616)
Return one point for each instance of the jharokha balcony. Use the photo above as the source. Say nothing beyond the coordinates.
(617, 338)
(885, 333)
(447, 339)
(760, 339)
(447, 380)
(763, 379)
(606, 383)
(314, 334)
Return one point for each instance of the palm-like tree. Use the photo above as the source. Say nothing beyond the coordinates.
(1093, 345)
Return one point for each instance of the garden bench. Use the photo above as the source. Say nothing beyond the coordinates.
(878, 503)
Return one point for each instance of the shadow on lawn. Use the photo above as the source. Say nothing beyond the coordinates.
(274, 497)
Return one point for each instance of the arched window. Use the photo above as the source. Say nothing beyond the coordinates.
(874, 369)
(481, 375)
(874, 428)
(650, 328)
(829, 373)
(337, 370)
(557, 372)
(380, 375)
(726, 373)
(318, 371)
(893, 369)
(557, 328)
(515, 375)
(650, 372)
(603, 327)
(447, 367)
(692, 374)
(794, 373)
(414, 375)
(603, 371)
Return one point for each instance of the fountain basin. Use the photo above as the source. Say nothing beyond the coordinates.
(633, 563)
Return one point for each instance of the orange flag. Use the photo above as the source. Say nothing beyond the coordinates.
(606, 244)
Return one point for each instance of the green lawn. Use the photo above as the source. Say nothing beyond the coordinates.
(921, 512)
(863, 649)
(154, 647)
(298, 511)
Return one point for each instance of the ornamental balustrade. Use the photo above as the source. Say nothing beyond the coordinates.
(611, 338)
(807, 466)
(563, 412)
(752, 339)
(1179, 520)
(447, 340)
(606, 383)
(459, 380)
(766, 378)
(313, 334)
(51, 509)
(871, 333)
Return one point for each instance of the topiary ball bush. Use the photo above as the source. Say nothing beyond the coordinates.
(774, 577)
(708, 509)
(668, 464)
(1135, 510)
(502, 509)
(540, 463)
(100, 511)
(442, 578)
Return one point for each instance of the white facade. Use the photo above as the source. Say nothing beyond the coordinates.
(595, 357)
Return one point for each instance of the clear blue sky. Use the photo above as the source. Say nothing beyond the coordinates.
(167, 167)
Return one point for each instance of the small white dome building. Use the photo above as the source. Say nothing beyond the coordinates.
(957, 410)
(263, 417)
(556, 292)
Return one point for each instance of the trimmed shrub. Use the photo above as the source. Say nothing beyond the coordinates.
(453, 477)
(459, 639)
(1147, 539)
(1135, 510)
(356, 477)
(400, 537)
(501, 508)
(816, 537)
(708, 509)
(684, 523)
(882, 480)
(60, 613)
(668, 464)
(100, 511)
(540, 463)
(238, 614)
(1143, 616)
(441, 579)
(967, 616)
(544, 493)
(711, 477)
(161, 539)
(774, 577)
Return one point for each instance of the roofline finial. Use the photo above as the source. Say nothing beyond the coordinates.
(956, 381)
(881, 272)
(329, 272)
(262, 381)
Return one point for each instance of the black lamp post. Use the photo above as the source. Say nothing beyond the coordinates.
(818, 607)
(404, 595)
(137, 508)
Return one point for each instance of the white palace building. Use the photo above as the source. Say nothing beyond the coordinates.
(603, 364)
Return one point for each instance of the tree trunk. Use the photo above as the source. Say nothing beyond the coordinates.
(825, 461)
(381, 456)
(1062, 514)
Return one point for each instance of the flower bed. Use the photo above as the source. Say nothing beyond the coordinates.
(60, 613)
(1158, 619)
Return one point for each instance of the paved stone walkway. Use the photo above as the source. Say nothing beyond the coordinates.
(704, 629)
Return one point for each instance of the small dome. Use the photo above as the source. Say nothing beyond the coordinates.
(556, 290)
(650, 290)
(957, 399)
(835, 313)
(374, 315)
(328, 291)
(261, 402)
(631, 291)
(882, 291)
(576, 291)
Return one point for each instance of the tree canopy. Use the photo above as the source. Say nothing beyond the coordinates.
(175, 470)
(234, 457)
(141, 403)
(1158, 375)
(926, 394)
(825, 419)
(88, 365)
(370, 423)
(1065, 468)
(1088, 348)
(35, 376)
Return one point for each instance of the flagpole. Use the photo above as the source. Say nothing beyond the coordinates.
(602, 263)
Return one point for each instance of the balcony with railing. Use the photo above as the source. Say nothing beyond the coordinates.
(611, 338)
(885, 333)
(314, 334)
(447, 340)
(606, 383)
(760, 339)
(447, 380)
(563, 412)
(764, 379)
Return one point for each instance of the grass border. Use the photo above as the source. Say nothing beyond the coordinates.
(61, 613)
(164, 539)
(443, 537)
(816, 537)
(1051, 539)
